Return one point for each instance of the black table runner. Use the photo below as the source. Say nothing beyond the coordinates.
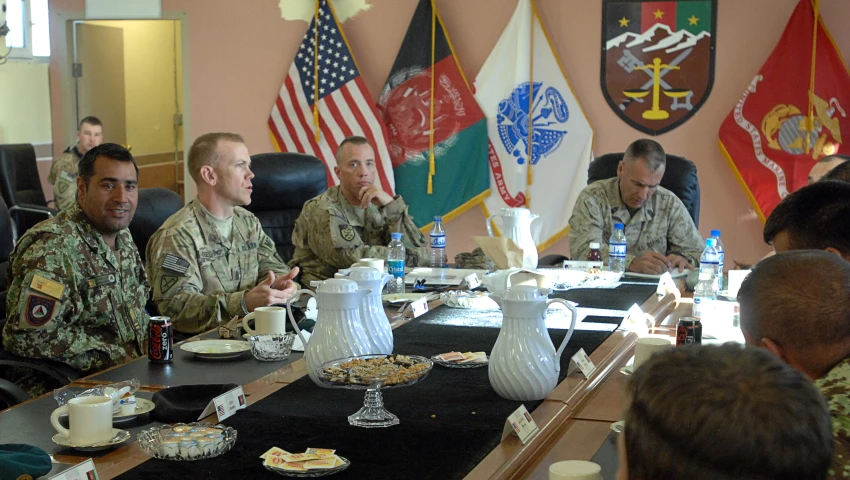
(620, 298)
(449, 422)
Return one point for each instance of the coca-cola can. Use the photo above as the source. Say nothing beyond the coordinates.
(160, 340)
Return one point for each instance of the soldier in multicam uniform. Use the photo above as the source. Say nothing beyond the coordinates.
(660, 233)
(795, 304)
(77, 289)
(211, 260)
(353, 220)
(64, 170)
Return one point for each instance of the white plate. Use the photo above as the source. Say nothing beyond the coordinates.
(216, 349)
(674, 274)
(440, 276)
(143, 405)
(118, 437)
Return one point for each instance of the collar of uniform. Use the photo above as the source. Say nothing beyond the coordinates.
(205, 223)
(352, 213)
(620, 210)
(90, 235)
(837, 375)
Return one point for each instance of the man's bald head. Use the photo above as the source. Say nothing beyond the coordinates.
(824, 165)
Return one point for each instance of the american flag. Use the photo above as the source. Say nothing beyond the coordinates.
(345, 106)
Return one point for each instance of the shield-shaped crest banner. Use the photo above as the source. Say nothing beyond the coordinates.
(657, 60)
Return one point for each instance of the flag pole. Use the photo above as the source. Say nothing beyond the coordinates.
(811, 119)
(432, 169)
(316, 71)
(528, 179)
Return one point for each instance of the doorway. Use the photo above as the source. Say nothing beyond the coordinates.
(129, 74)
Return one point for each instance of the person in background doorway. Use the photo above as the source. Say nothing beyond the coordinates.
(64, 170)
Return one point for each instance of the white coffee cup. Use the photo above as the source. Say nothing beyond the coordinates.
(268, 321)
(370, 262)
(645, 347)
(575, 470)
(90, 419)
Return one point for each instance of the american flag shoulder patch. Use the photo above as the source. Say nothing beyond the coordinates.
(175, 264)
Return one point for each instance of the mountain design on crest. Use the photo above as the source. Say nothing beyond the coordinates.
(667, 40)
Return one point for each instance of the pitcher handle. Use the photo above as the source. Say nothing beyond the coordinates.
(295, 296)
(569, 335)
(487, 223)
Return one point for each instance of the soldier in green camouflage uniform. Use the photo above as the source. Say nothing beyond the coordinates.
(353, 220)
(795, 305)
(77, 288)
(211, 260)
(64, 170)
(660, 234)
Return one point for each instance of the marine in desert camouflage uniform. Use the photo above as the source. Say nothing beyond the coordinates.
(353, 220)
(64, 170)
(77, 289)
(794, 304)
(211, 260)
(660, 234)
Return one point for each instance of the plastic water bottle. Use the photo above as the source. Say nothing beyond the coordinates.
(617, 249)
(704, 295)
(438, 244)
(709, 262)
(715, 234)
(395, 264)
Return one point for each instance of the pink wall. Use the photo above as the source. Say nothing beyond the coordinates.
(239, 52)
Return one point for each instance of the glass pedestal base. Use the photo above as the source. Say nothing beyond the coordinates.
(373, 414)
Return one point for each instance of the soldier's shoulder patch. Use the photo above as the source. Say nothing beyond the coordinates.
(347, 232)
(166, 282)
(175, 264)
(47, 286)
(66, 175)
(268, 243)
(39, 310)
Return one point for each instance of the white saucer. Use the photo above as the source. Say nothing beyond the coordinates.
(216, 349)
(143, 406)
(674, 274)
(118, 437)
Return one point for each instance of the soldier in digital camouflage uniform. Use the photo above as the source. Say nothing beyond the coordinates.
(353, 220)
(795, 304)
(211, 260)
(660, 234)
(77, 288)
(64, 170)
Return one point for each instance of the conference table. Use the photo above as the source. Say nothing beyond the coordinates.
(574, 420)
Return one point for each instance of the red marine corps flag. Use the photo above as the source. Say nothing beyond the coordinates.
(792, 113)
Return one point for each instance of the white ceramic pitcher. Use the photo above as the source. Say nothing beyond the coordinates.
(372, 312)
(339, 331)
(516, 225)
(523, 363)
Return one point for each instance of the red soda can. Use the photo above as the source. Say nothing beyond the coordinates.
(688, 331)
(160, 340)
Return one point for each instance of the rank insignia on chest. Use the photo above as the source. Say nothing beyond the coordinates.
(347, 232)
(39, 310)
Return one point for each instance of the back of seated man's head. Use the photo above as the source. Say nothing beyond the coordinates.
(825, 165)
(839, 172)
(797, 305)
(815, 217)
(723, 413)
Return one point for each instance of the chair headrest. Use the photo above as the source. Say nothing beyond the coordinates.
(6, 239)
(285, 180)
(154, 207)
(19, 171)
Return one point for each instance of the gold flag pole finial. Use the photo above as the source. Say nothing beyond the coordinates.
(316, 72)
(530, 107)
(432, 168)
(810, 120)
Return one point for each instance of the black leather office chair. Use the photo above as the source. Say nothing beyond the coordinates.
(20, 186)
(154, 207)
(283, 182)
(7, 242)
(680, 177)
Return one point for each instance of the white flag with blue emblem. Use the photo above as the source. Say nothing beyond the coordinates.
(561, 137)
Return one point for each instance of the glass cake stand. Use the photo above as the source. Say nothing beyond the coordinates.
(346, 373)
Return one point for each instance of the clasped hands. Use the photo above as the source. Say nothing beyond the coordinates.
(272, 290)
(655, 263)
(373, 194)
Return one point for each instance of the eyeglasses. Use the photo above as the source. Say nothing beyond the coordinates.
(419, 284)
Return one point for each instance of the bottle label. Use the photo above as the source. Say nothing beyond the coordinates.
(617, 250)
(438, 241)
(396, 268)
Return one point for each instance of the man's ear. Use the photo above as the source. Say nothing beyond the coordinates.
(336, 171)
(208, 175)
(620, 167)
(845, 256)
(774, 348)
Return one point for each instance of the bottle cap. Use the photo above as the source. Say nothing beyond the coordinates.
(438, 218)
(396, 235)
(619, 226)
(594, 245)
(715, 233)
(710, 242)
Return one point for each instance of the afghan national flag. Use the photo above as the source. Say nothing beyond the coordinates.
(793, 113)
(427, 99)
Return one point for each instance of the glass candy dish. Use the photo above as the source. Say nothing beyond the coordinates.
(311, 473)
(157, 442)
(373, 373)
(271, 348)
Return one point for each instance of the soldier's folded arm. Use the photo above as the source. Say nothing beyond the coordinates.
(177, 285)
